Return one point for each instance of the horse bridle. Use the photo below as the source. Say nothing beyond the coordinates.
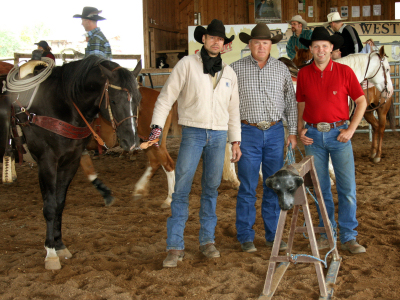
(381, 59)
(106, 96)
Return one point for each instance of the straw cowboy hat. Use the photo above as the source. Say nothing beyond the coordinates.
(321, 34)
(260, 32)
(90, 13)
(216, 28)
(299, 19)
(333, 17)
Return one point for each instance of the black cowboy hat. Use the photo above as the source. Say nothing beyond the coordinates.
(321, 34)
(90, 13)
(216, 28)
(260, 32)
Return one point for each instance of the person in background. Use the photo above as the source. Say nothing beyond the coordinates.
(97, 43)
(352, 43)
(299, 30)
(208, 106)
(42, 45)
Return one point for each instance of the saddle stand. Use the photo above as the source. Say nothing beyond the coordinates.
(306, 170)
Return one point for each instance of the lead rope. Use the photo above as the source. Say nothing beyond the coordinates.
(291, 159)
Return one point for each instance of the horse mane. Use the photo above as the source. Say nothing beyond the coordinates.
(74, 75)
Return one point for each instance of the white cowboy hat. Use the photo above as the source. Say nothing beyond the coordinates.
(299, 19)
(333, 17)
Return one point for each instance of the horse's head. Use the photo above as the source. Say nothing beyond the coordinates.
(285, 183)
(378, 72)
(302, 56)
(120, 102)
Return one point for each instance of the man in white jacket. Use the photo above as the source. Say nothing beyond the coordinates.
(208, 108)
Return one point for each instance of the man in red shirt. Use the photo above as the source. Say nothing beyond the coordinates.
(323, 88)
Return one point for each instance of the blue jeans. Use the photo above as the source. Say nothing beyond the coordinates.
(325, 143)
(196, 143)
(266, 147)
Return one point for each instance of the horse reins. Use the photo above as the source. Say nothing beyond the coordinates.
(105, 94)
(381, 59)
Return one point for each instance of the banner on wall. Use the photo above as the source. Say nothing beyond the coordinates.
(384, 32)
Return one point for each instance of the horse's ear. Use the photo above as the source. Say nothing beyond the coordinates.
(295, 48)
(106, 72)
(382, 52)
(138, 68)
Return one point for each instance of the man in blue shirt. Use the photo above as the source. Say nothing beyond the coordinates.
(298, 28)
(97, 42)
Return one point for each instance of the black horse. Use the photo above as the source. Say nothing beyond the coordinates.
(96, 86)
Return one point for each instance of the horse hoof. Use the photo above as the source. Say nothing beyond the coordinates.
(133, 157)
(373, 155)
(52, 263)
(64, 253)
(165, 205)
(377, 160)
(109, 200)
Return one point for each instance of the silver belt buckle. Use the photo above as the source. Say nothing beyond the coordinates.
(324, 127)
(263, 125)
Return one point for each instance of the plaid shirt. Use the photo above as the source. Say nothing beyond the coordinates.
(266, 94)
(98, 44)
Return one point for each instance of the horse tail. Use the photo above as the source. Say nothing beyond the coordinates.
(391, 116)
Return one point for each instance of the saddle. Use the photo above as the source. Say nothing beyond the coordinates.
(29, 67)
(293, 69)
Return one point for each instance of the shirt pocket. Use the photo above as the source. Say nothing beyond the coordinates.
(335, 93)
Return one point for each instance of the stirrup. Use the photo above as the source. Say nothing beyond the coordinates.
(9, 169)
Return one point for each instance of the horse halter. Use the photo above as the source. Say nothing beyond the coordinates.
(106, 96)
(114, 123)
(381, 59)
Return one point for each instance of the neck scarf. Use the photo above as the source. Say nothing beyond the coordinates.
(211, 65)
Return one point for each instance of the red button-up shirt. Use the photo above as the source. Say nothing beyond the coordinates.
(325, 92)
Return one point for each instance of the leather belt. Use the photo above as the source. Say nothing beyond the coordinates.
(263, 125)
(326, 127)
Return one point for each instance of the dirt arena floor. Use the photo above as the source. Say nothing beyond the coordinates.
(118, 250)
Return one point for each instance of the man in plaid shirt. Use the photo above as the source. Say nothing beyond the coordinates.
(97, 42)
(267, 98)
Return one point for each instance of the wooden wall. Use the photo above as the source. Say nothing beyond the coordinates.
(166, 21)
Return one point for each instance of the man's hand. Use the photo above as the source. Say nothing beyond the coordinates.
(236, 153)
(292, 139)
(305, 140)
(155, 135)
(345, 135)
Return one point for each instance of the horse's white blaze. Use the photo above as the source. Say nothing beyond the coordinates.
(142, 182)
(171, 186)
(132, 123)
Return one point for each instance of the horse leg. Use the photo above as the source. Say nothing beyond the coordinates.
(90, 172)
(369, 116)
(168, 165)
(382, 112)
(47, 182)
(141, 185)
(229, 171)
(64, 178)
